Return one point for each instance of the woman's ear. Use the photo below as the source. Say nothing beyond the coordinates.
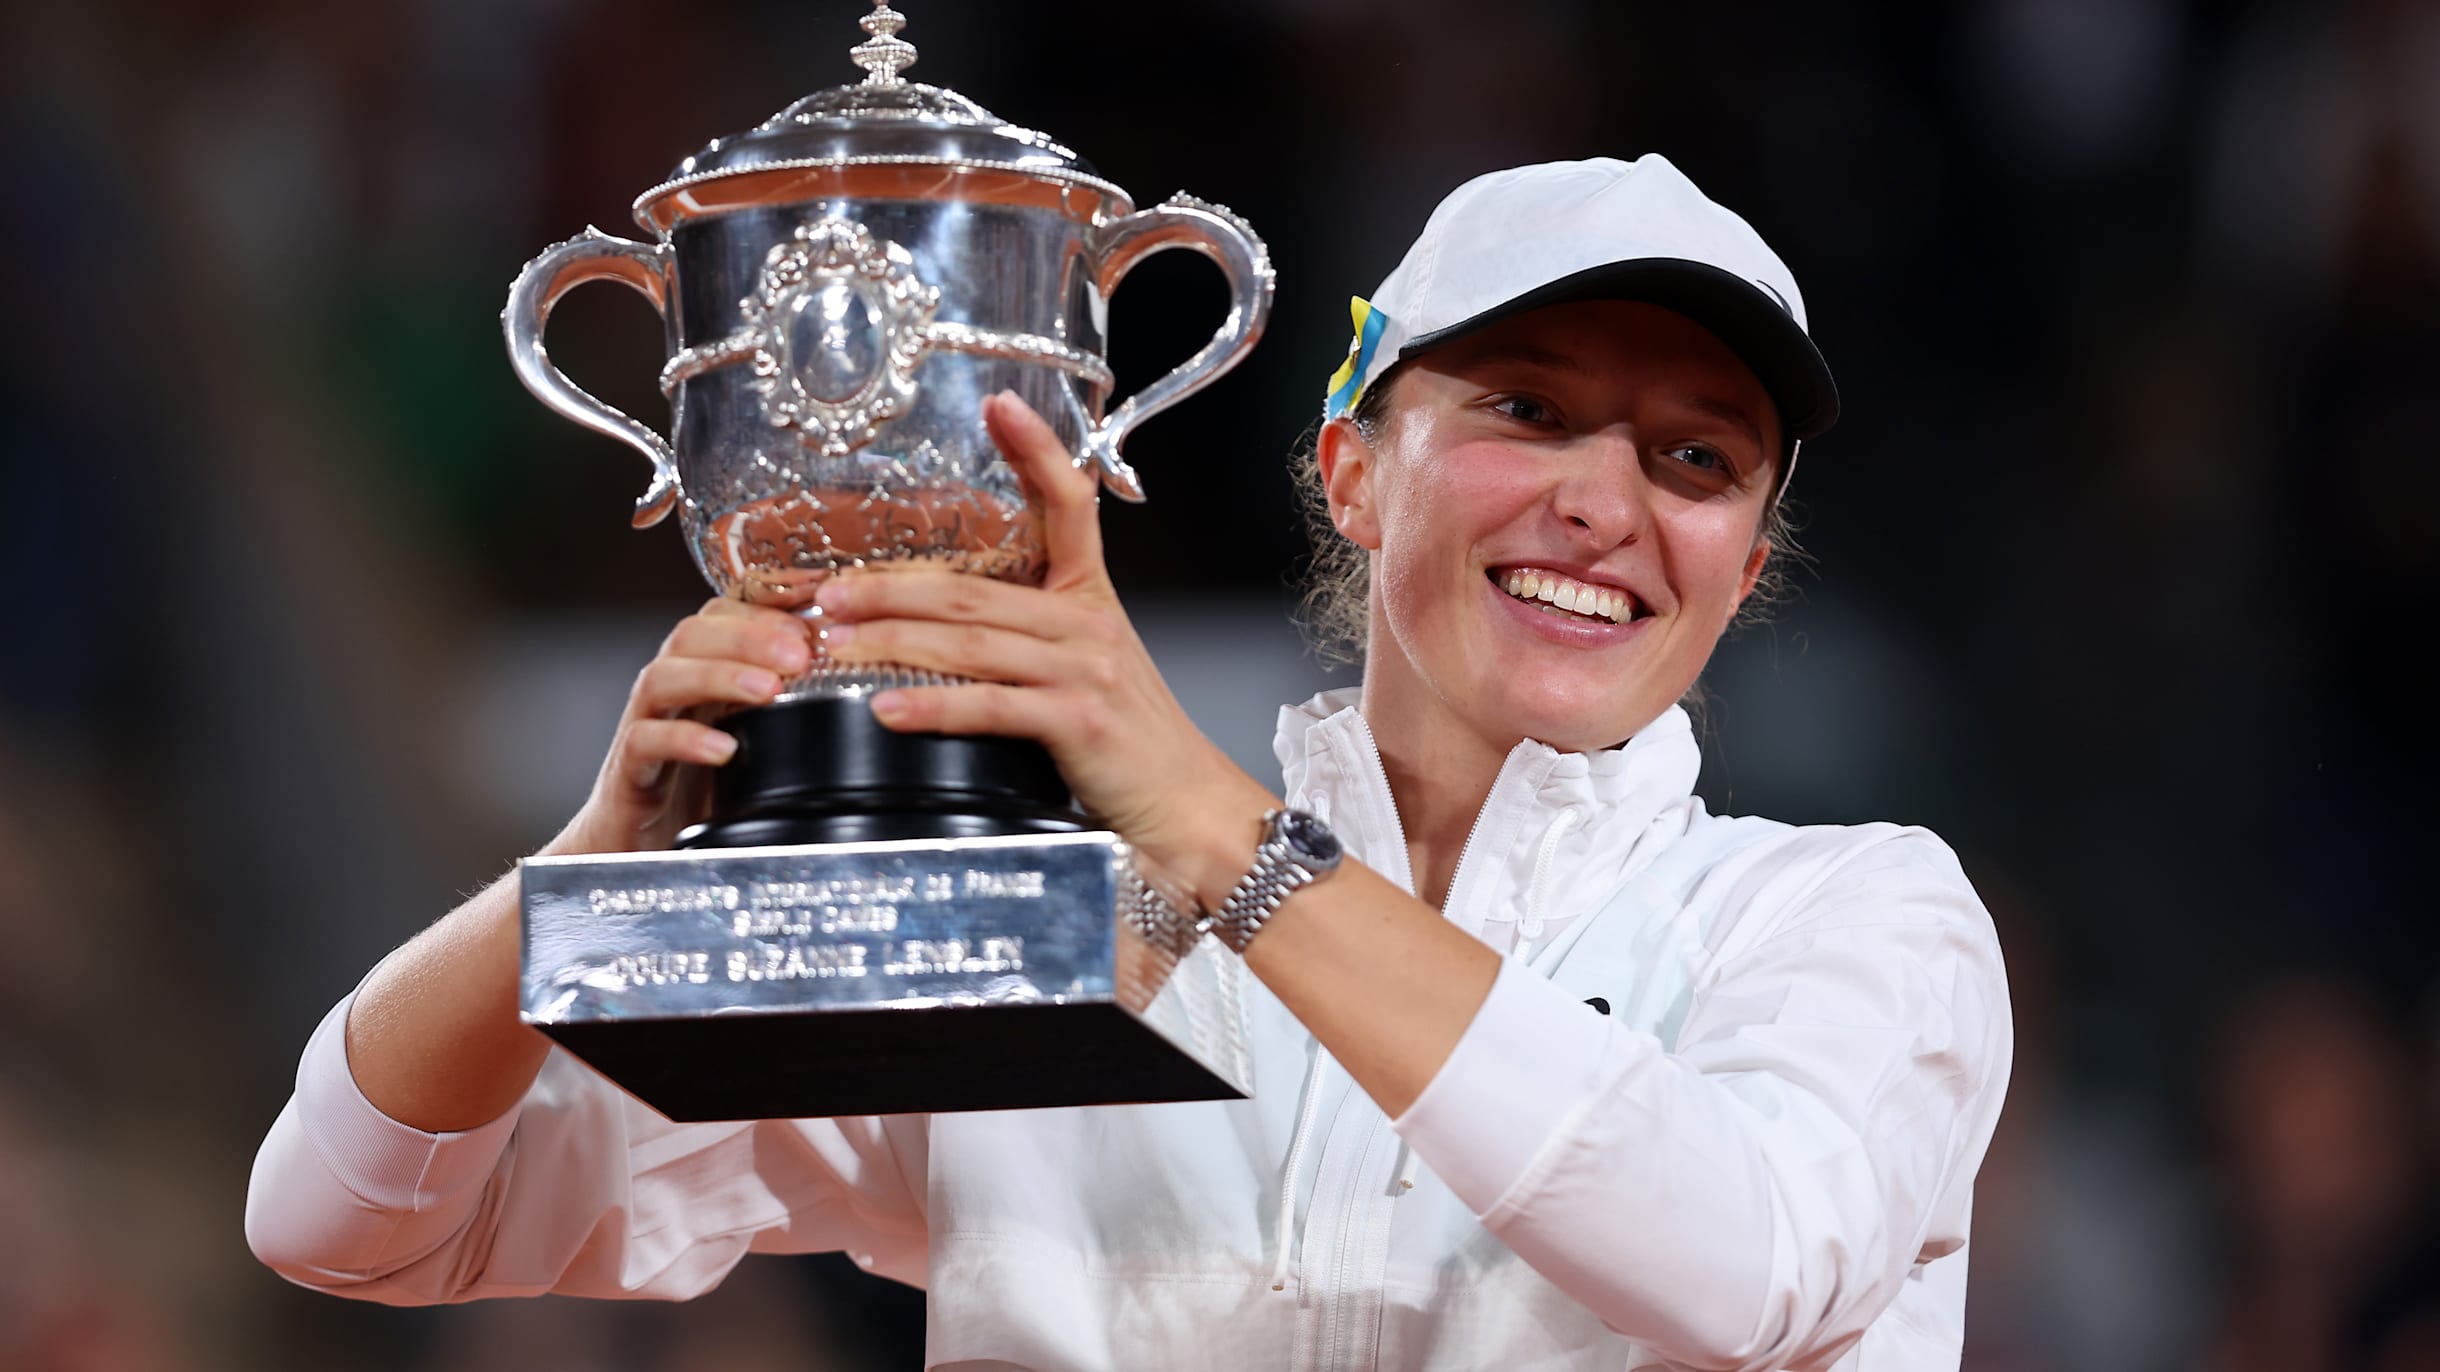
(1755, 561)
(1346, 461)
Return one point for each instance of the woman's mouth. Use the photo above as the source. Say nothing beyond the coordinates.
(1557, 593)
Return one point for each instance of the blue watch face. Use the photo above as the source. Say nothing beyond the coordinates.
(1310, 839)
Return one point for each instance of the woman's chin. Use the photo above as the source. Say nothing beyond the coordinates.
(1573, 721)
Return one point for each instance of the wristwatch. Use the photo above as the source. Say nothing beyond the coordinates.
(1297, 850)
(1147, 910)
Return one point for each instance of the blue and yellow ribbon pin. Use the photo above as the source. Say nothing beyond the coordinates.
(1347, 383)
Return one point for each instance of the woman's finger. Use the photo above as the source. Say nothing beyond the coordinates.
(766, 638)
(724, 605)
(981, 650)
(671, 685)
(949, 597)
(1070, 492)
(646, 748)
(980, 708)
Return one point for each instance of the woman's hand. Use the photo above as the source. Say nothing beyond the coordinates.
(1060, 665)
(727, 653)
(1386, 984)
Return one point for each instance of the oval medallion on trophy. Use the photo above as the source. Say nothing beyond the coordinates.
(834, 339)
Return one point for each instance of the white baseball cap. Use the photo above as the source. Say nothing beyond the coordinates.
(1599, 229)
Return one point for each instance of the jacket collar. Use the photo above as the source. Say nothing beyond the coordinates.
(1566, 829)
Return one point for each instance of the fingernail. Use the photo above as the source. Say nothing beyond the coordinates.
(719, 748)
(832, 596)
(754, 681)
(889, 705)
(837, 635)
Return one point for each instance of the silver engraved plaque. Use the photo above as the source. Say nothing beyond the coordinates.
(876, 978)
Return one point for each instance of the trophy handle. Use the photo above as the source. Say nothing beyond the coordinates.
(589, 256)
(1215, 231)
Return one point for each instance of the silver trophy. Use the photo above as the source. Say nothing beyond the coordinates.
(873, 922)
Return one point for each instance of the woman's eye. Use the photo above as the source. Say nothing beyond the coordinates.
(1522, 408)
(1698, 456)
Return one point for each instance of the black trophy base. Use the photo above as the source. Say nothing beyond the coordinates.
(827, 771)
(891, 1061)
(872, 923)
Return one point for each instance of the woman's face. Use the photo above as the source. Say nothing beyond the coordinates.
(1565, 511)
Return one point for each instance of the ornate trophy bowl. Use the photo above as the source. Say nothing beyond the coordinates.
(841, 287)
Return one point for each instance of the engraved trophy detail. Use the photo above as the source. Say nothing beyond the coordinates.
(874, 922)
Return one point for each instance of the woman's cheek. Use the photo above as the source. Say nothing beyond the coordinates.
(1406, 584)
(1706, 555)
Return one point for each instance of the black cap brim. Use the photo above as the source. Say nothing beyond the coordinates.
(1755, 324)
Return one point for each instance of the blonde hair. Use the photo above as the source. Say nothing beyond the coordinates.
(1335, 609)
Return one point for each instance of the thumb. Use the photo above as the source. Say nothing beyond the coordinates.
(1071, 494)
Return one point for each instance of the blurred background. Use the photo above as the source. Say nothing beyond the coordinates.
(316, 621)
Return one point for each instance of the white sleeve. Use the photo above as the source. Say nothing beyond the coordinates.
(1755, 1198)
(579, 1190)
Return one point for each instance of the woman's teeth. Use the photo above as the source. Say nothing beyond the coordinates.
(1566, 594)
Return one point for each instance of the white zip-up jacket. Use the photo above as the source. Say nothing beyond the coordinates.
(1722, 1109)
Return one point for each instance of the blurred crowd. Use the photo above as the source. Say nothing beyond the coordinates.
(316, 620)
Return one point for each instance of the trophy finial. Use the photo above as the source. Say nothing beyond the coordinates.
(885, 54)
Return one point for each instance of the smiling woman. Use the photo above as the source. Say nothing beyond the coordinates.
(1605, 449)
(1554, 1068)
(1336, 604)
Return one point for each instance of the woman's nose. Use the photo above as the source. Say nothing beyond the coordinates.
(1604, 493)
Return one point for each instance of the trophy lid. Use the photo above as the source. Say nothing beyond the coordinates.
(883, 136)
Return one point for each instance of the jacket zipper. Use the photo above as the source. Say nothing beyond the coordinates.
(1351, 1245)
(1397, 822)
(1335, 1295)
(1468, 846)
(1457, 874)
